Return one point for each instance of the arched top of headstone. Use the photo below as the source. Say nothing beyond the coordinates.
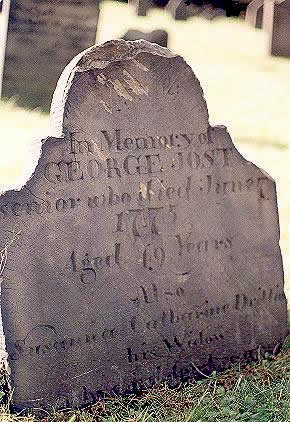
(132, 66)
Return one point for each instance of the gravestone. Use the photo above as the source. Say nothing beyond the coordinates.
(277, 24)
(4, 18)
(141, 6)
(158, 36)
(144, 248)
(178, 9)
(254, 13)
(43, 36)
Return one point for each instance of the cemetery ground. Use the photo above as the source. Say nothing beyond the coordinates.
(253, 392)
(249, 93)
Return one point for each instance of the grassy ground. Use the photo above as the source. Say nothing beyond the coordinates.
(249, 92)
(249, 393)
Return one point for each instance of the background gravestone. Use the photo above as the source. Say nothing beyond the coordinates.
(178, 9)
(144, 248)
(158, 36)
(277, 24)
(141, 6)
(43, 36)
(254, 13)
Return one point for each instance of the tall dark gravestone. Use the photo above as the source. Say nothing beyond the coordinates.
(43, 36)
(277, 24)
(144, 248)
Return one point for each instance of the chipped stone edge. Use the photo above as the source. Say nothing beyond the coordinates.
(266, 174)
(35, 152)
(263, 173)
(86, 60)
(246, 162)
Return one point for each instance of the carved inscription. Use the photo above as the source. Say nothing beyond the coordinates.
(89, 267)
(189, 191)
(191, 338)
(179, 151)
(117, 141)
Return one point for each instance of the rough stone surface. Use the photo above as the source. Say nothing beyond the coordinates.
(178, 9)
(141, 6)
(158, 36)
(144, 248)
(254, 13)
(43, 36)
(277, 24)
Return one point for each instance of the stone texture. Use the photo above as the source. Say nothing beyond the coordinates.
(277, 24)
(177, 9)
(158, 36)
(254, 13)
(141, 6)
(43, 36)
(144, 248)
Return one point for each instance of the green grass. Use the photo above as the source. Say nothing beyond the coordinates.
(255, 392)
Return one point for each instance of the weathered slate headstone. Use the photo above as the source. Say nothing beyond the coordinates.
(43, 36)
(158, 36)
(144, 248)
(277, 24)
(254, 13)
